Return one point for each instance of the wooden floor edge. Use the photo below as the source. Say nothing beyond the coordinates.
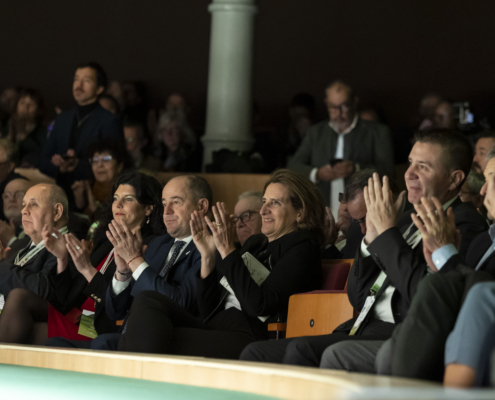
(282, 381)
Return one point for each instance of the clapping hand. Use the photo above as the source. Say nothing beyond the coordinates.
(126, 244)
(202, 238)
(67, 164)
(223, 229)
(79, 253)
(382, 211)
(332, 227)
(437, 227)
(55, 244)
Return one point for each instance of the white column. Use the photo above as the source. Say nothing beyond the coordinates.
(228, 116)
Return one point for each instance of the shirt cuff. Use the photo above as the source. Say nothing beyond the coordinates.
(442, 255)
(139, 270)
(312, 175)
(364, 250)
(119, 286)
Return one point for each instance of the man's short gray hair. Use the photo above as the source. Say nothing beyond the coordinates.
(58, 196)
(252, 193)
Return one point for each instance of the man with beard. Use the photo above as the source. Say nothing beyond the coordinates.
(485, 143)
(333, 149)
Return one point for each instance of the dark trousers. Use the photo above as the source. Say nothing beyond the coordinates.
(305, 351)
(108, 341)
(418, 344)
(157, 324)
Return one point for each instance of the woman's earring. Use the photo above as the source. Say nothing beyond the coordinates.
(148, 220)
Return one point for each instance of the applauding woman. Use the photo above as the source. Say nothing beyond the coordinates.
(79, 311)
(244, 291)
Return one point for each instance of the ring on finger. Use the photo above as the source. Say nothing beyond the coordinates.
(218, 224)
(78, 248)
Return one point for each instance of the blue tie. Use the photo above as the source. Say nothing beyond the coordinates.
(177, 248)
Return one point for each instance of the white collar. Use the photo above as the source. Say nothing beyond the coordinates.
(353, 125)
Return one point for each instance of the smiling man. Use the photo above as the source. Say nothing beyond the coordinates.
(390, 263)
(333, 149)
(64, 155)
(169, 266)
(30, 267)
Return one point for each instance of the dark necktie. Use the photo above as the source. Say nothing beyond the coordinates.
(177, 248)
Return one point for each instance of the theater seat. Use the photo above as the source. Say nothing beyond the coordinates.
(321, 311)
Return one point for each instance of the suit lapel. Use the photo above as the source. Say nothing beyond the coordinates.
(161, 255)
(185, 253)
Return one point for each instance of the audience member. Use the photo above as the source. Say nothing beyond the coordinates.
(115, 90)
(82, 286)
(109, 103)
(471, 190)
(177, 147)
(136, 107)
(301, 117)
(25, 127)
(292, 233)
(45, 212)
(65, 155)
(485, 143)
(108, 160)
(7, 104)
(169, 266)
(434, 310)
(13, 196)
(8, 160)
(332, 150)
(428, 105)
(136, 141)
(444, 116)
(390, 262)
(247, 217)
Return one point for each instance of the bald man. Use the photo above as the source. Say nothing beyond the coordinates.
(334, 149)
(31, 266)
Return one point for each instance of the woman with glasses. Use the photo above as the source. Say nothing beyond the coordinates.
(248, 288)
(107, 160)
(78, 313)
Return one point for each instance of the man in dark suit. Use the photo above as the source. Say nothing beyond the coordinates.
(333, 149)
(64, 156)
(29, 264)
(390, 262)
(169, 265)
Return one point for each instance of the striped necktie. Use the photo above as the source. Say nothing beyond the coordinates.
(177, 248)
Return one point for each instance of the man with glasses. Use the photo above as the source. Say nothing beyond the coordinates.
(247, 216)
(333, 149)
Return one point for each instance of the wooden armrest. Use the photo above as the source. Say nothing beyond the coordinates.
(277, 326)
(120, 322)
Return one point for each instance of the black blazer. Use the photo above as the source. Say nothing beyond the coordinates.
(101, 124)
(179, 285)
(295, 268)
(73, 289)
(404, 266)
(35, 275)
(476, 251)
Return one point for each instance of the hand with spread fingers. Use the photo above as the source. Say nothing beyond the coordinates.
(55, 244)
(223, 229)
(202, 238)
(381, 208)
(125, 243)
(332, 227)
(79, 253)
(437, 228)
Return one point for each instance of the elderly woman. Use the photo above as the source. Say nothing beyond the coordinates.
(25, 127)
(81, 288)
(107, 160)
(239, 295)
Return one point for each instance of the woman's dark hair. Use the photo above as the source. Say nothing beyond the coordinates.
(116, 149)
(38, 99)
(304, 196)
(148, 192)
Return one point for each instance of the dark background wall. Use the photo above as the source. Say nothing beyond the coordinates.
(391, 50)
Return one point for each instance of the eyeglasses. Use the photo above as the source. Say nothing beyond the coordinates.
(344, 107)
(96, 160)
(18, 196)
(358, 221)
(244, 217)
